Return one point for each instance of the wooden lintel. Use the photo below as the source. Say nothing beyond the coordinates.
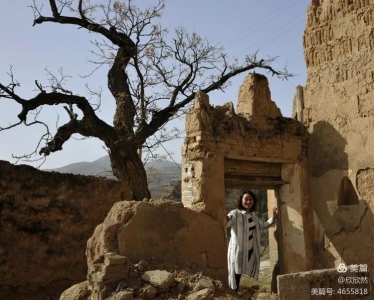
(253, 184)
(245, 167)
(261, 159)
(234, 173)
(254, 178)
(264, 182)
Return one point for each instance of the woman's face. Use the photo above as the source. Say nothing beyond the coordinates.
(247, 201)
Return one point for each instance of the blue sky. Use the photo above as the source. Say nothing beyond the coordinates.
(273, 27)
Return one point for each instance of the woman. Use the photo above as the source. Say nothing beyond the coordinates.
(244, 247)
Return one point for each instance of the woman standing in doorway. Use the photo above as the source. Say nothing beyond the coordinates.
(244, 247)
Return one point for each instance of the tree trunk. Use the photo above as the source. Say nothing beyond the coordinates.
(128, 167)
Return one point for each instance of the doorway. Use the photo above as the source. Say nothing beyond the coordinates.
(287, 189)
(269, 266)
(264, 178)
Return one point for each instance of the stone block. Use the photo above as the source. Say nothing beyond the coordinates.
(149, 292)
(123, 295)
(110, 273)
(112, 258)
(204, 283)
(162, 280)
(205, 294)
(78, 291)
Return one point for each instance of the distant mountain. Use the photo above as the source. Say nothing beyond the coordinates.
(160, 172)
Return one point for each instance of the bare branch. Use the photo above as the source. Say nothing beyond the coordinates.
(63, 134)
(9, 90)
(69, 110)
(40, 87)
(56, 84)
(118, 38)
(93, 126)
(45, 137)
(11, 126)
(96, 94)
(81, 10)
(53, 5)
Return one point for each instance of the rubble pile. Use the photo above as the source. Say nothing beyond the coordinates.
(116, 278)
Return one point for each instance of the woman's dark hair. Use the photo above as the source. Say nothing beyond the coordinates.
(239, 203)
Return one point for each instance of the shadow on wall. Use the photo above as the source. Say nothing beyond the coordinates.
(326, 150)
(345, 233)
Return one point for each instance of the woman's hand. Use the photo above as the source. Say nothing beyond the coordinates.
(275, 213)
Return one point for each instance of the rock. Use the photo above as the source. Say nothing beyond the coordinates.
(114, 268)
(78, 291)
(219, 285)
(205, 294)
(104, 239)
(109, 273)
(149, 292)
(162, 280)
(124, 295)
(204, 283)
(262, 296)
(102, 291)
(143, 263)
(112, 258)
(181, 286)
(133, 274)
(246, 295)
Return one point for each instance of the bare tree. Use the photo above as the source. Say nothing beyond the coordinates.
(152, 78)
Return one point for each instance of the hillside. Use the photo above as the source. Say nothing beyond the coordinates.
(160, 172)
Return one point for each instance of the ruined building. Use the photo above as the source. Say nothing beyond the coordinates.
(320, 171)
(318, 168)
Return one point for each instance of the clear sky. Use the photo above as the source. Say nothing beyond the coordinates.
(273, 27)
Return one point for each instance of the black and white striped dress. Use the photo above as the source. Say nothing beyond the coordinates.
(244, 247)
(251, 230)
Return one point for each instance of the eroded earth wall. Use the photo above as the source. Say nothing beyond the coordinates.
(339, 113)
(46, 219)
(161, 229)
